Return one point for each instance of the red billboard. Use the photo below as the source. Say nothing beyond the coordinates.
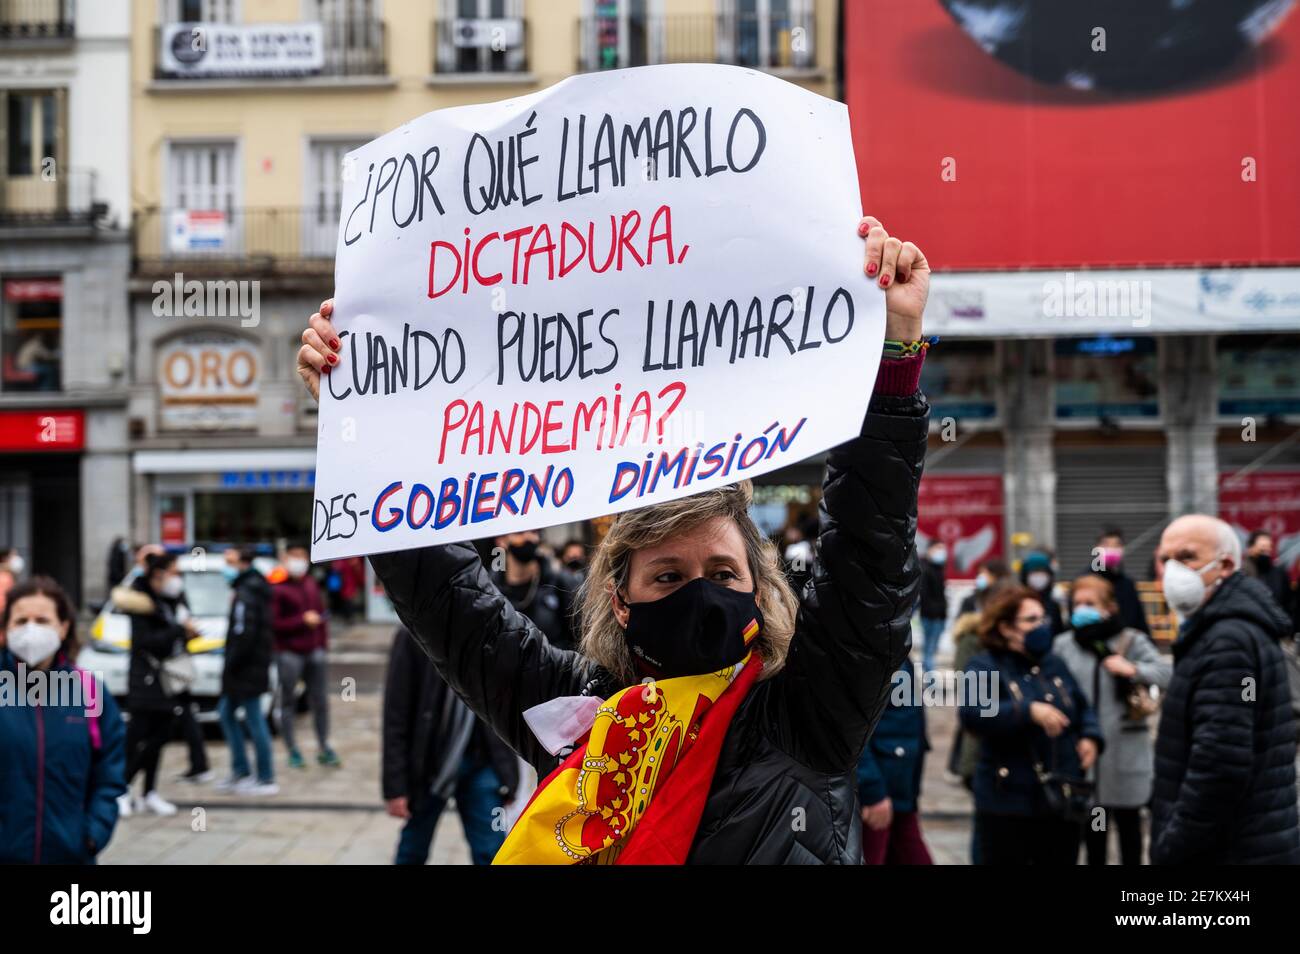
(1064, 133)
(1265, 500)
(965, 512)
(42, 430)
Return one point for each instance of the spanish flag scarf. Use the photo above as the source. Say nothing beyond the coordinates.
(634, 791)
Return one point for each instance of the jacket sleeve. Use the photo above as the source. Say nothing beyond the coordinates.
(1153, 667)
(155, 636)
(399, 699)
(107, 774)
(1002, 713)
(1089, 725)
(871, 781)
(241, 632)
(492, 656)
(1221, 717)
(854, 623)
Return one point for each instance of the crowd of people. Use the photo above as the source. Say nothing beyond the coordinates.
(1091, 723)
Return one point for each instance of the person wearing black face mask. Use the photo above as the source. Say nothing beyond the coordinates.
(534, 586)
(1259, 563)
(573, 556)
(705, 767)
(1038, 737)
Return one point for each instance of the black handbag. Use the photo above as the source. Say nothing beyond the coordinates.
(1068, 797)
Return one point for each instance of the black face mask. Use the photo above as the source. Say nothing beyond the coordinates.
(698, 628)
(575, 565)
(1263, 563)
(525, 552)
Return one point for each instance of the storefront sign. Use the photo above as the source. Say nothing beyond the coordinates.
(1265, 500)
(61, 430)
(207, 381)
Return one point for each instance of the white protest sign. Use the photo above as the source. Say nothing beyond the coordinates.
(630, 287)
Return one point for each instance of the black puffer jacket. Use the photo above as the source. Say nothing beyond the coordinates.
(428, 729)
(246, 673)
(156, 635)
(784, 789)
(1225, 787)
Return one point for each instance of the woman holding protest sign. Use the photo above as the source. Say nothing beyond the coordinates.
(709, 715)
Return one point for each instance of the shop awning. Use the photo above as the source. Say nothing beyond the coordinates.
(200, 461)
(1156, 301)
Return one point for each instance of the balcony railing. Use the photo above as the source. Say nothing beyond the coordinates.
(37, 19)
(64, 199)
(775, 42)
(266, 239)
(348, 47)
(467, 47)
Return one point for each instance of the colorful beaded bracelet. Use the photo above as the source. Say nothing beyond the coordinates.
(906, 349)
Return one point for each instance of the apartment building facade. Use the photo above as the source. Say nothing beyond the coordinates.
(64, 264)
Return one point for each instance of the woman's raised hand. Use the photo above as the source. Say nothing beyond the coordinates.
(320, 348)
(901, 270)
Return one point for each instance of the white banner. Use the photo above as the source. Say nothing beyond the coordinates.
(630, 287)
(252, 49)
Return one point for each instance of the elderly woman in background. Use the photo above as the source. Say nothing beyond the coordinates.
(1115, 666)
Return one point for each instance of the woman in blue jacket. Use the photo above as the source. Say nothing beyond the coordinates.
(1033, 721)
(62, 744)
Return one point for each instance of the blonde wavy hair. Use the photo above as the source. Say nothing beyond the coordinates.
(603, 639)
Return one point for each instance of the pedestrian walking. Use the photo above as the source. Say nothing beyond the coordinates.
(245, 676)
(301, 640)
(157, 674)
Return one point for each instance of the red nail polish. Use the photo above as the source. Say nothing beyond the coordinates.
(334, 343)
(862, 229)
(884, 281)
(871, 268)
(332, 358)
(325, 370)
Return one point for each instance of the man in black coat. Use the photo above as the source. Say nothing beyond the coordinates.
(534, 587)
(1225, 784)
(1260, 564)
(434, 747)
(245, 677)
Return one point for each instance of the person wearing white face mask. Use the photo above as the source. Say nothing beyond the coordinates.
(62, 754)
(301, 637)
(1225, 785)
(159, 632)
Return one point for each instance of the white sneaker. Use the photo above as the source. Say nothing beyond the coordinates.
(250, 787)
(125, 805)
(157, 805)
(231, 784)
